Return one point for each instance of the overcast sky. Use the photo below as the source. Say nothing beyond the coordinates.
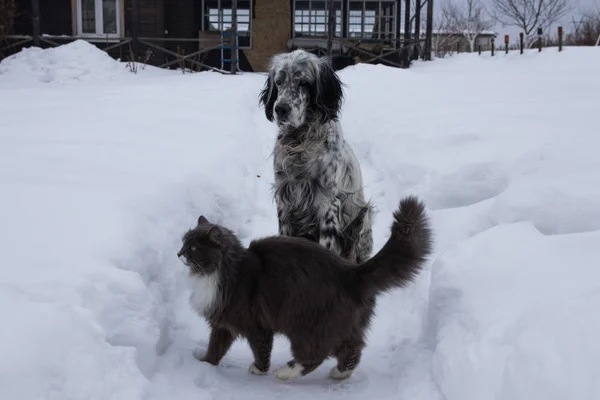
(576, 5)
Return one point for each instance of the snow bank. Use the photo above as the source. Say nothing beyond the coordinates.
(99, 182)
(75, 61)
(510, 311)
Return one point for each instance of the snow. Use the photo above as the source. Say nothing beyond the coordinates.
(102, 171)
(77, 61)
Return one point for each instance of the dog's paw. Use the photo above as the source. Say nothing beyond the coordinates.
(254, 369)
(287, 373)
(336, 374)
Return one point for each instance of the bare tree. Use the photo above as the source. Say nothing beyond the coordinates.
(586, 29)
(529, 15)
(467, 17)
(443, 38)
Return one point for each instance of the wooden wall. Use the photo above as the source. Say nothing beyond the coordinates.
(150, 18)
(56, 17)
(23, 21)
(271, 29)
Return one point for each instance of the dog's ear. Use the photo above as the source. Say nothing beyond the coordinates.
(329, 93)
(268, 95)
(202, 220)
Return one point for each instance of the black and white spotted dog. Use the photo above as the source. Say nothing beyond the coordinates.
(318, 180)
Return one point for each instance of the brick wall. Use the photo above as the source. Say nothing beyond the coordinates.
(271, 29)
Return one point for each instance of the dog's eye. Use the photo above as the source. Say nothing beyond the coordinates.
(278, 82)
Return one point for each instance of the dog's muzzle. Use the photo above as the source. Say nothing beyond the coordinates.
(282, 111)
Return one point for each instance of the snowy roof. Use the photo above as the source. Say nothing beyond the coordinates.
(448, 32)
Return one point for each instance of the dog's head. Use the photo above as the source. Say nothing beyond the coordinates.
(301, 88)
(205, 246)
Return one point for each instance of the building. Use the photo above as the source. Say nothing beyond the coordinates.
(169, 32)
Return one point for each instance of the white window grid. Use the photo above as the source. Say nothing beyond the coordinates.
(99, 20)
(220, 14)
(372, 19)
(311, 18)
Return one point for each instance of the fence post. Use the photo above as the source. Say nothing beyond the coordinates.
(493, 46)
(429, 30)
(506, 40)
(417, 27)
(234, 37)
(539, 32)
(135, 29)
(560, 38)
(479, 49)
(35, 13)
(521, 37)
(407, 36)
(458, 47)
(330, 29)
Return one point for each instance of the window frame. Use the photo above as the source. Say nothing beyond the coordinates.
(220, 23)
(379, 18)
(309, 34)
(99, 20)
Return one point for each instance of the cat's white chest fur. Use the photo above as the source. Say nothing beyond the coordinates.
(204, 292)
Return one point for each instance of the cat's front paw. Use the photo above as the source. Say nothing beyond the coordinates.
(201, 355)
(288, 373)
(254, 369)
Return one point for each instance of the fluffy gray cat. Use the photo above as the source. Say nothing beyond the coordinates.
(294, 286)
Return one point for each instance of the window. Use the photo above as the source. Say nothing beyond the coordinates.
(372, 19)
(218, 18)
(311, 17)
(98, 18)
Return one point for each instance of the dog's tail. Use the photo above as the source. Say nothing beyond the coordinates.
(404, 254)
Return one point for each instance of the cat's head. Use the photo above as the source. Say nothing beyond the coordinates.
(205, 246)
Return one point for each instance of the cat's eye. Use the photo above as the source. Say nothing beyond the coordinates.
(193, 248)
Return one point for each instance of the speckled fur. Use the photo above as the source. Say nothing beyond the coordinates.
(318, 181)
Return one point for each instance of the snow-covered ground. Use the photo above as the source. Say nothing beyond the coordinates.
(102, 171)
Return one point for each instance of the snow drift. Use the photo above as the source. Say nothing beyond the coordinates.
(78, 61)
(101, 176)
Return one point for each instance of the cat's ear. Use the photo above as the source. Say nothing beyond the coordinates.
(202, 220)
(215, 235)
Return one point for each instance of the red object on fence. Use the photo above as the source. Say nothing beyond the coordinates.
(506, 39)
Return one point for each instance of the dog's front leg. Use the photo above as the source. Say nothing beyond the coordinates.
(329, 229)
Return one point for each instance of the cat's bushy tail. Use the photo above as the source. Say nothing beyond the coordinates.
(404, 254)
